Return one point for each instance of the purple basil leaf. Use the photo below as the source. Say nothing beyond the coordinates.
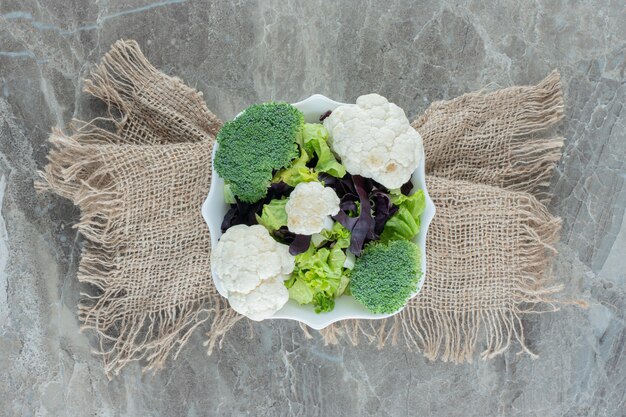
(325, 115)
(348, 205)
(278, 190)
(327, 179)
(300, 244)
(341, 186)
(364, 227)
(345, 220)
(407, 187)
(379, 186)
(347, 185)
(245, 213)
(285, 235)
(230, 216)
(368, 184)
(383, 210)
(350, 189)
(240, 213)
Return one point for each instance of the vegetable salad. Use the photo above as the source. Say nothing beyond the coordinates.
(324, 194)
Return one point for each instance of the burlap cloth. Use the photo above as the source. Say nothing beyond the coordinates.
(146, 256)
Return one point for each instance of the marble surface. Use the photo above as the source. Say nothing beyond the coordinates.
(240, 52)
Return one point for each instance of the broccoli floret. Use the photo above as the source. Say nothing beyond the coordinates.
(262, 139)
(385, 275)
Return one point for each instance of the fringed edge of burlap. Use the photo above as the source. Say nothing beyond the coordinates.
(124, 72)
(532, 165)
(453, 336)
(77, 171)
(119, 74)
(531, 159)
(542, 105)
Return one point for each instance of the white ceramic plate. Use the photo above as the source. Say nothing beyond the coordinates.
(346, 307)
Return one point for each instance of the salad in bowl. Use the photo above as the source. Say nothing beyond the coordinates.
(318, 211)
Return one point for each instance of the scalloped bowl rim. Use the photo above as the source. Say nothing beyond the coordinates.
(346, 307)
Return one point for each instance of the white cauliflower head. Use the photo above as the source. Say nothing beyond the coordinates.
(263, 301)
(247, 255)
(374, 139)
(309, 208)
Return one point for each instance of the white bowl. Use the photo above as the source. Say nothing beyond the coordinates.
(346, 307)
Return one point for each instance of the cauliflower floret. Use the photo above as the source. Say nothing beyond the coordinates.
(247, 255)
(309, 208)
(374, 139)
(263, 301)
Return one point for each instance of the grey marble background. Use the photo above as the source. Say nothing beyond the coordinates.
(240, 52)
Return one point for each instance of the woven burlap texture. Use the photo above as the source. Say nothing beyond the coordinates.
(139, 189)
(496, 139)
(146, 258)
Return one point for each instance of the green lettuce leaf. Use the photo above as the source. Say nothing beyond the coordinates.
(323, 303)
(229, 197)
(338, 234)
(290, 281)
(315, 141)
(312, 142)
(318, 277)
(336, 259)
(343, 283)
(300, 292)
(294, 175)
(314, 269)
(274, 215)
(405, 224)
(297, 172)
